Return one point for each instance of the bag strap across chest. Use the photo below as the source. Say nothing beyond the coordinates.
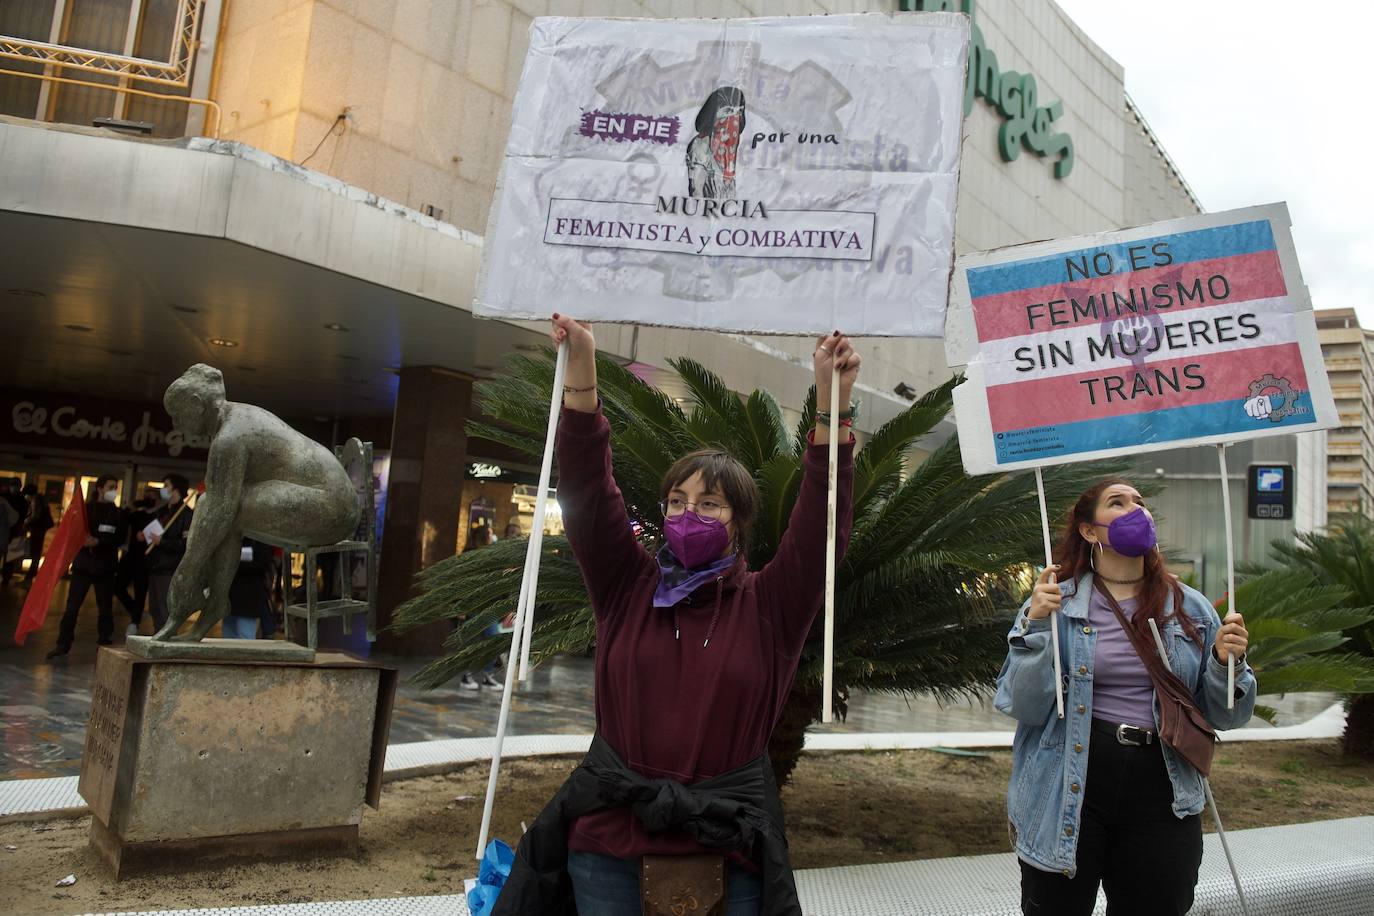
(1182, 725)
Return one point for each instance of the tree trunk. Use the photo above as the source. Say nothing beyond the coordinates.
(1359, 726)
(803, 707)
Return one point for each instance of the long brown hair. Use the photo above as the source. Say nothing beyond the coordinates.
(1074, 556)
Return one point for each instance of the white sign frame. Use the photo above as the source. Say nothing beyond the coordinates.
(962, 347)
(853, 234)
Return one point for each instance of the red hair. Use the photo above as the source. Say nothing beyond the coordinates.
(1074, 556)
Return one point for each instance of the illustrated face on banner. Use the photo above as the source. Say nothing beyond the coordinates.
(821, 159)
(1190, 331)
(713, 153)
(725, 139)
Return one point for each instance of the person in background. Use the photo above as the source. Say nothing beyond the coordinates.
(168, 547)
(38, 524)
(479, 535)
(95, 565)
(133, 566)
(250, 594)
(12, 515)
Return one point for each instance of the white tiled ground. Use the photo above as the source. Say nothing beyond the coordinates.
(28, 797)
(1321, 869)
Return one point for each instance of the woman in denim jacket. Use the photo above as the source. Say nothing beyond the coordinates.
(1134, 827)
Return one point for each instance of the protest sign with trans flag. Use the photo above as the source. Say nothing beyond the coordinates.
(1185, 332)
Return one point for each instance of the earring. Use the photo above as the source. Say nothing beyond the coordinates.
(1092, 557)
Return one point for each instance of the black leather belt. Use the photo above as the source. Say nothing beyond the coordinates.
(1130, 735)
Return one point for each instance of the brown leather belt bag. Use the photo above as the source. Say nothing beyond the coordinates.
(682, 885)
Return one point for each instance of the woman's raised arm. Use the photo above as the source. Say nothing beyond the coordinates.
(791, 586)
(594, 516)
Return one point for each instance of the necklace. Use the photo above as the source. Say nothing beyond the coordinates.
(1140, 578)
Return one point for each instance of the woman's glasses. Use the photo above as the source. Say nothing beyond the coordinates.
(708, 508)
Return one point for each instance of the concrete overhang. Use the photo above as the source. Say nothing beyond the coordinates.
(121, 259)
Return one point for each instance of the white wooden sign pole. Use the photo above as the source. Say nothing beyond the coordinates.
(1230, 572)
(524, 608)
(1054, 623)
(828, 678)
(560, 369)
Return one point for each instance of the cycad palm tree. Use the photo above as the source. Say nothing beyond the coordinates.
(934, 569)
(1344, 557)
(1298, 635)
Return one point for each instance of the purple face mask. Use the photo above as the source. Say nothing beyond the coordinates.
(695, 541)
(1132, 534)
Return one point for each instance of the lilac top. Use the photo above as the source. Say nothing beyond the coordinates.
(1122, 689)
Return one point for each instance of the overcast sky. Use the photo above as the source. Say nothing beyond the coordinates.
(1260, 101)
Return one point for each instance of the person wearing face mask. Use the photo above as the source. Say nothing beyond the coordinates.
(168, 547)
(1097, 797)
(95, 565)
(695, 656)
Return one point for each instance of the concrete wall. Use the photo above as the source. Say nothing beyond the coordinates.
(1155, 189)
(260, 70)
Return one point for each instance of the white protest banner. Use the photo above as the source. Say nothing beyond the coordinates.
(1187, 332)
(788, 175)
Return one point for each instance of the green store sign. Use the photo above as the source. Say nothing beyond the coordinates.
(1013, 95)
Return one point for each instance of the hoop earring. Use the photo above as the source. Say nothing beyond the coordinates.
(1092, 557)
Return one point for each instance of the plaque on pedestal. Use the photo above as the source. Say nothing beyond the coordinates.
(188, 760)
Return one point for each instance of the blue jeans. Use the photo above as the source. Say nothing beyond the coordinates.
(606, 886)
(236, 626)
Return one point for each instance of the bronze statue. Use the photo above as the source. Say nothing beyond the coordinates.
(263, 477)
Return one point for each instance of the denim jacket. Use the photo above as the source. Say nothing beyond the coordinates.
(1050, 755)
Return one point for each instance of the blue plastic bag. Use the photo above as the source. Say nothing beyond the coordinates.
(491, 876)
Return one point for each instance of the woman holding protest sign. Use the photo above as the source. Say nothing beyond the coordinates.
(675, 804)
(1112, 793)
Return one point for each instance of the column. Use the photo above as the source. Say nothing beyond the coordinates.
(424, 490)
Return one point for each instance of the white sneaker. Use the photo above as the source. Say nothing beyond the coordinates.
(489, 680)
(467, 683)
(132, 630)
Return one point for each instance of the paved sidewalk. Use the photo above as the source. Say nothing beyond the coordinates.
(1324, 868)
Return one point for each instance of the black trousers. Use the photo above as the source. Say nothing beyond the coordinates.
(159, 584)
(1129, 841)
(135, 574)
(79, 585)
(35, 553)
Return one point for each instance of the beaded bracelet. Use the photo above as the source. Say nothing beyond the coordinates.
(846, 416)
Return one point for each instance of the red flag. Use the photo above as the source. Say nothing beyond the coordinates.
(71, 536)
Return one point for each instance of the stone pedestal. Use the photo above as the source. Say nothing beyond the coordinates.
(189, 760)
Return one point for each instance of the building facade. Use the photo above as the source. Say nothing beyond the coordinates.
(304, 199)
(1348, 350)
